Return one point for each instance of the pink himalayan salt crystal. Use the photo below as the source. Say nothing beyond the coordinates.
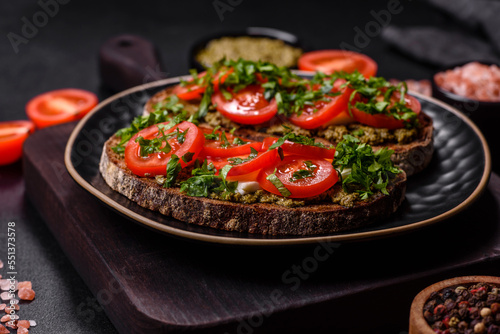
(23, 323)
(474, 80)
(25, 284)
(26, 294)
(22, 330)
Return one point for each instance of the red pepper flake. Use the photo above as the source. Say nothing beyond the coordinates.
(446, 322)
(4, 330)
(5, 318)
(474, 291)
(26, 294)
(2, 306)
(439, 310)
(463, 303)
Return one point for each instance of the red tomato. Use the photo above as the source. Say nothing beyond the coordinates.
(12, 136)
(385, 121)
(60, 106)
(194, 91)
(262, 160)
(156, 164)
(215, 148)
(289, 148)
(330, 61)
(248, 105)
(323, 177)
(322, 112)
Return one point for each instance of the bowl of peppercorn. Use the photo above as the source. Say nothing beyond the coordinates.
(469, 305)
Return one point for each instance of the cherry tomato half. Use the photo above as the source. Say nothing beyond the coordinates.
(12, 136)
(330, 61)
(314, 116)
(291, 148)
(156, 163)
(323, 176)
(219, 148)
(60, 106)
(247, 106)
(385, 121)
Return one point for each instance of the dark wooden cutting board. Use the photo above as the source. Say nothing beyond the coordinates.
(149, 282)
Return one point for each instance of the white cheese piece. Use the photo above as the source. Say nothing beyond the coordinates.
(247, 187)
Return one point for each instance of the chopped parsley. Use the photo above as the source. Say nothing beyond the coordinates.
(204, 181)
(169, 110)
(173, 169)
(376, 93)
(299, 139)
(304, 173)
(239, 161)
(370, 171)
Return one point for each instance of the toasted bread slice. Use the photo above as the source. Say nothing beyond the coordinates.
(263, 218)
(411, 156)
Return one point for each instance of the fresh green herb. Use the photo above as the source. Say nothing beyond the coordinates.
(204, 181)
(181, 136)
(239, 161)
(187, 157)
(239, 141)
(173, 169)
(377, 93)
(299, 139)
(214, 135)
(155, 145)
(205, 103)
(304, 173)
(224, 141)
(370, 171)
(169, 110)
(278, 184)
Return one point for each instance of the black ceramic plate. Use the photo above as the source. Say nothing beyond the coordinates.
(457, 175)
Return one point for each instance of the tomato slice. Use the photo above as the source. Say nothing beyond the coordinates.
(194, 91)
(220, 148)
(247, 106)
(291, 148)
(385, 121)
(314, 116)
(323, 176)
(156, 163)
(262, 160)
(60, 106)
(12, 136)
(330, 61)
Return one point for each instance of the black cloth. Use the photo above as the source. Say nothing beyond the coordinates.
(470, 31)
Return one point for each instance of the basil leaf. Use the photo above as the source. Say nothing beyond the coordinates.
(278, 184)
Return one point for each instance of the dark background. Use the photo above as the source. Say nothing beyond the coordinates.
(64, 53)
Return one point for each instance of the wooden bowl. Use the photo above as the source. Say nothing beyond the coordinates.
(418, 324)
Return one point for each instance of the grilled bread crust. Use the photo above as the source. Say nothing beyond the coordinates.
(260, 218)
